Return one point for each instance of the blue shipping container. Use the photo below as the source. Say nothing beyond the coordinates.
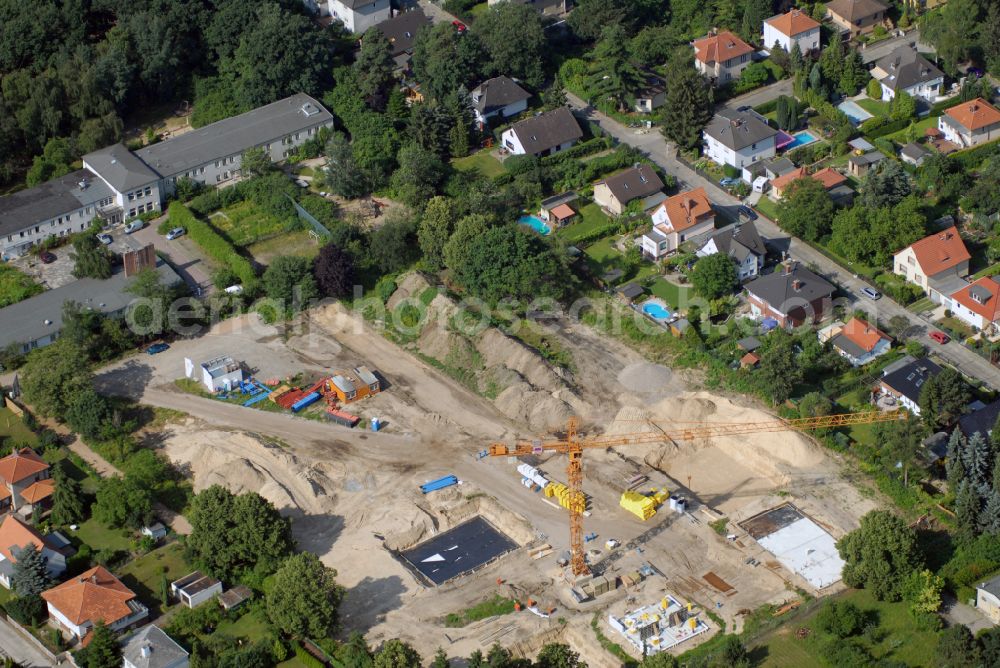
(440, 483)
(304, 401)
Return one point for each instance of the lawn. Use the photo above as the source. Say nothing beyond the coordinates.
(491, 607)
(482, 161)
(874, 107)
(15, 285)
(991, 270)
(920, 128)
(13, 426)
(902, 641)
(244, 223)
(676, 296)
(591, 218)
(143, 575)
(293, 243)
(100, 537)
(767, 207)
(252, 626)
(922, 305)
(74, 467)
(955, 325)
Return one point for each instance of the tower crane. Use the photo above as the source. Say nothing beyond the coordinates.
(573, 446)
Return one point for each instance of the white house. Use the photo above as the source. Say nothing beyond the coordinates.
(787, 30)
(743, 244)
(360, 15)
(93, 596)
(544, 134)
(221, 373)
(903, 382)
(970, 123)
(906, 70)
(936, 264)
(194, 589)
(499, 97)
(988, 599)
(738, 138)
(15, 535)
(859, 342)
(151, 647)
(722, 57)
(978, 304)
(677, 219)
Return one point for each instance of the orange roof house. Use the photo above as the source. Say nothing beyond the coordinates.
(829, 177)
(21, 465)
(677, 219)
(941, 251)
(685, 210)
(970, 123)
(793, 23)
(978, 303)
(936, 263)
(15, 535)
(39, 491)
(720, 48)
(860, 342)
(563, 212)
(96, 595)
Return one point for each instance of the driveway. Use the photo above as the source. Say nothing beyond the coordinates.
(181, 253)
(870, 54)
(962, 613)
(664, 153)
(759, 96)
(23, 651)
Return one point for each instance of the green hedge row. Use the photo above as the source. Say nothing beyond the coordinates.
(214, 245)
(973, 157)
(880, 126)
(595, 145)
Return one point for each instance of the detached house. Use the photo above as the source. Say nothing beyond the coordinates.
(150, 647)
(498, 98)
(906, 70)
(978, 305)
(787, 30)
(859, 342)
(360, 15)
(738, 139)
(970, 123)
(903, 382)
(24, 479)
(617, 191)
(856, 17)
(936, 263)
(15, 535)
(792, 296)
(829, 177)
(721, 57)
(743, 244)
(677, 219)
(91, 597)
(401, 32)
(544, 134)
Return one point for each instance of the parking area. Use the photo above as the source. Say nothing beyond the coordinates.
(49, 276)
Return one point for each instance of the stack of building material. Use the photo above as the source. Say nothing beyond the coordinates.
(529, 472)
(565, 497)
(638, 504)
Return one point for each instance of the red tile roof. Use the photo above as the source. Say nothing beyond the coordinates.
(862, 334)
(793, 23)
(830, 177)
(940, 251)
(720, 48)
(988, 304)
(687, 209)
(782, 181)
(16, 535)
(42, 489)
(975, 114)
(96, 595)
(21, 464)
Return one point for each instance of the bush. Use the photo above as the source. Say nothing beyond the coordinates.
(874, 89)
(580, 150)
(214, 245)
(879, 126)
(26, 610)
(840, 619)
(304, 657)
(973, 157)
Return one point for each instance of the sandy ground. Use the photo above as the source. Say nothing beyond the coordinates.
(350, 489)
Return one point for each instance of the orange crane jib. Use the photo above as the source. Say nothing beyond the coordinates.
(574, 446)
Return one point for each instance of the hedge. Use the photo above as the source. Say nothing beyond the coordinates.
(580, 150)
(880, 126)
(214, 245)
(305, 658)
(972, 157)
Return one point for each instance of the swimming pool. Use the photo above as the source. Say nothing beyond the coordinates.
(535, 223)
(655, 310)
(801, 138)
(854, 111)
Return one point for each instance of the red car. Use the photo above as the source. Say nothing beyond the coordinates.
(940, 337)
(459, 26)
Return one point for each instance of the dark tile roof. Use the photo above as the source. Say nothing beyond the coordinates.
(909, 379)
(740, 240)
(632, 183)
(992, 586)
(496, 93)
(905, 68)
(785, 289)
(737, 130)
(50, 200)
(981, 420)
(630, 290)
(548, 130)
(401, 30)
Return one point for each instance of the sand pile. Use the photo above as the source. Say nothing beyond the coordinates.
(500, 349)
(646, 377)
(411, 286)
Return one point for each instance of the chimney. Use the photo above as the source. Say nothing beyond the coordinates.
(145, 650)
(796, 285)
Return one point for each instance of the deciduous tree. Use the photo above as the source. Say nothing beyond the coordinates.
(304, 597)
(123, 502)
(334, 271)
(434, 230)
(714, 276)
(289, 279)
(879, 555)
(397, 654)
(52, 375)
(805, 209)
(515, 41)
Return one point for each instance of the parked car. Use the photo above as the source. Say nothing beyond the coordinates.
(47, 257)
(301, 183)
(728, 182)
(459, 26)
(871, 293)
(940, 337)
(157, 348)
(105, 238)
(134, 226)
(174, 233)
(747, 212)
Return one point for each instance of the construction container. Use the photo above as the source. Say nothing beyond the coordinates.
(376, 424)
(639, 505)
(440, 483)
(341, 418)
(673, 502)
(682, 505)
(305, 401)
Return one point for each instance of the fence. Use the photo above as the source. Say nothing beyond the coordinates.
(9, 404)
(35, 642)
(309, 218)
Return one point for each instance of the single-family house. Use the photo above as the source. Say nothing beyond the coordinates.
(220, 374)
(617, 191)
(743, 244)
(360, 15)
(988, 599)
(978, 304)
(792, 295)
(722, 56)
(906, 70)
(15, 535)
(970, 123)
(498, 98)
(677, 219)
(859, 342)
(856, 17)
(913, 154)
(652, 95)
(829, 177)
(738, 138)
(93, 596)
(151, 647)
(981, 420)
(787, 30)
(195, 588)
(859, 165)
(557, 209)
(21, 473)
(401, 31)
(542, 135)
(904, 382)
(936, 263)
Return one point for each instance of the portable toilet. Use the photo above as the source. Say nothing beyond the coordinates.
(375, 424)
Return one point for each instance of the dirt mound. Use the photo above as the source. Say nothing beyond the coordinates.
(645, 377)
(411, 285)
(539, 411)
(497, 348)
(451, 348)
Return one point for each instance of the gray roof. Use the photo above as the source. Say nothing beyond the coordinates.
(355, 4)
(25, 321)
(632, 183)
(161, 649)
(841, 342)
(905, 67)
(119, 167)
(910, 378)
(234, 135)
(401, 30)
(196, 582)
(914, 151)
(494, 94)
(562, 198)
(545, 6)
(737, 130)
(366, 376)
(779, 166)
(631, 290)
(861, 144)
(50, 200)
(981, 420)
(787, 290)
(738, 241)
(992, 586)
(548, 130)
(855, 10)
(749, 344)
(867, 158)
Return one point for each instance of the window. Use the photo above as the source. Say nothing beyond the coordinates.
(149, 191)
(131, 212)
(216, 163)
(131, 196)
(218, 178)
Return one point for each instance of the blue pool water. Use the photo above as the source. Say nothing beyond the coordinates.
(854, 111)
(655, 311)
(802, 137)
(535, 223)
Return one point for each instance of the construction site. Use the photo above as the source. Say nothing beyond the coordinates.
(613, 489)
